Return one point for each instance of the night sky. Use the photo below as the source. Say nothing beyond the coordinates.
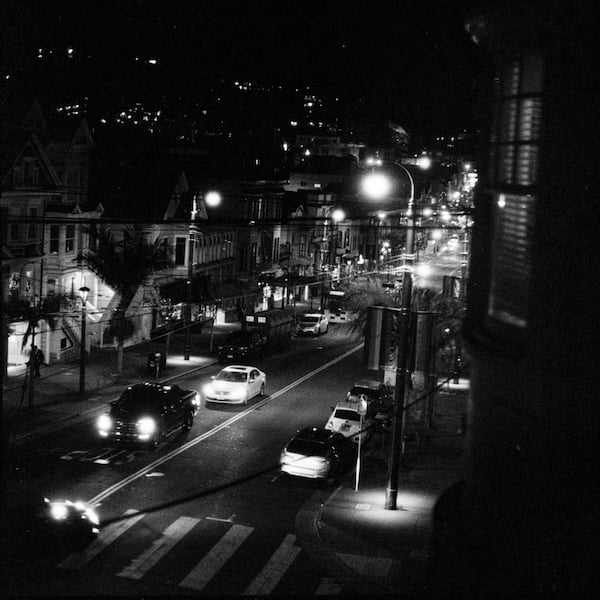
(409, 61)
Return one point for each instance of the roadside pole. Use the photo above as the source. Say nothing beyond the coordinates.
(362, 410)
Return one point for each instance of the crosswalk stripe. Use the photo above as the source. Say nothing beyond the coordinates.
(378, 566)
(106, 536)
(159, 548)
(328, 587)
(220, 553)
(268, 578)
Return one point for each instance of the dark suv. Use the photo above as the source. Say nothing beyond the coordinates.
(240, 345)
(147, 412)
(379, 396)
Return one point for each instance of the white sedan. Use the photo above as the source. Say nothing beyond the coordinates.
(235, 384)
(313, 323)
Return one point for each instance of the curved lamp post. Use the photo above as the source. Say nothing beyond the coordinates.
(378, 185)
(337, 216)
(83, 294)
(211, 198)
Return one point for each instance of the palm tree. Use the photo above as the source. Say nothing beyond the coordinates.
(370, 291)
(124, 263)
(17, 309)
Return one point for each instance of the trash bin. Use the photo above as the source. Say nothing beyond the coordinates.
(157, 362)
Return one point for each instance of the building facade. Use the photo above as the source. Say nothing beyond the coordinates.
(528, 521)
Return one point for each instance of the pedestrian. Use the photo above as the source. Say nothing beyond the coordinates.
(457, 368)
(38, 361)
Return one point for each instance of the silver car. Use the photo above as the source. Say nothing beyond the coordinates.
(235, 384)
(313, 324)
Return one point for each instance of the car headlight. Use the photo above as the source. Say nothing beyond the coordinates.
(207, 390)
(58, 511)
(146, 426)
(104, 423)
(238, 394)
(196, 399)
(244, 349)
(329, 425)
(92, 515)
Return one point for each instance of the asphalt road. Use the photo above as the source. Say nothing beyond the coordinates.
(206, 512)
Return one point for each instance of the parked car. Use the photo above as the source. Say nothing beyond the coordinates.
(378, 394)
(241, 344)
(147, 412)
(35, 527)
(312, 324)
(316, 453)
(235, 384)
(346, 420)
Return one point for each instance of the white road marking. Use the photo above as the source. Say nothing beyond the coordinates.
(266, 581)
(159, 548)
(328, 587)
(221, 552)
(106, 536)
(378, 566)
(167, 457)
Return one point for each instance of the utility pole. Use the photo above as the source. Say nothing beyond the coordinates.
(402, 368)
(83, 292)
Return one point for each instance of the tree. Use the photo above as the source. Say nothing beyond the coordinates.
(21, 310)
(370, 291)
(124, 260)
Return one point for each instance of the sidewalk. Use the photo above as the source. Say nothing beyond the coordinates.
(378, 551)
(56, 393)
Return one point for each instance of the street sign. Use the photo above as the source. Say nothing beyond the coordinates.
(362, 405)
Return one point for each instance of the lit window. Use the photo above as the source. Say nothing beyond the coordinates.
(511, 259)
(513, 165)
(70, 239)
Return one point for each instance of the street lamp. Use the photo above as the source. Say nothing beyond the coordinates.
(83, 294)
(337, 215)
(211, 199)
(377, 186)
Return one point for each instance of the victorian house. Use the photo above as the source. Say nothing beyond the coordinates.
(45, 209)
